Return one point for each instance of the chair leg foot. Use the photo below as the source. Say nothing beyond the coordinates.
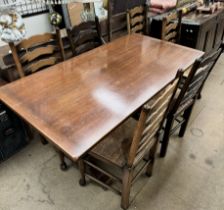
(126, 188)
(82, 170)
(149, 168)
(82, 182)
(63, 166)
(124, 207)
(43, 140)
(148, 174)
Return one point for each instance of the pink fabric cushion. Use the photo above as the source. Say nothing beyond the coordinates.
(163, 4)
(157, 10)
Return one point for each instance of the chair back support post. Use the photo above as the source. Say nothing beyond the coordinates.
(60, 43)
(16, 59)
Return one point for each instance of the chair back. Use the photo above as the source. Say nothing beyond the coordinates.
(137, 21)
(150, 122)
(192, 85)
(37, 52)
(117, 17)
(171, 27)
(85, 36)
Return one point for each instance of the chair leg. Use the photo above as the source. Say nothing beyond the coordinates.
(152, 154)
(82, 180)
(43, 140)
(199, 96)
(63, 164)
(166, 136)
(29, 131)
(186, 116)
(126, 188)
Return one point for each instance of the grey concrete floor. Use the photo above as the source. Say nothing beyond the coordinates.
(190, 177)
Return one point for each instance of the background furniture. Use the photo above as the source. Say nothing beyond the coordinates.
(83, 99)
(184, 102)
(117, 20)
(12, 133)
(199, 31)
(130, 154)
(202, 31)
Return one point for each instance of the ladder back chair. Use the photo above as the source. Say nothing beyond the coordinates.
(37, 52)
(117, 17)
(131, 155)
(82, 38)
(137, 20)
(34, 54)
(190, 88)
(171, 27)
(85, 36)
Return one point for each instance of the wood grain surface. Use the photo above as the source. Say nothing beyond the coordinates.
(78, 102)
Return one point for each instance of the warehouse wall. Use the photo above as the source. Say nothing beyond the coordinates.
(35, 25)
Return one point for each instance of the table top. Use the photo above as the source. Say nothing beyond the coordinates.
(78, 102)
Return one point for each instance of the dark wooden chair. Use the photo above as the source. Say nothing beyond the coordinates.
(117, 17)
(190, 89)
(121, 159)
(116, 21)
(137, 20)
(171, 27)
(37, 52)
(85, 36)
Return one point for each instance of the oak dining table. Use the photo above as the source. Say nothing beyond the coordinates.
(76, 103)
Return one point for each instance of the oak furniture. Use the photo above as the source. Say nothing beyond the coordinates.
(37, 52)
(199, 31)
(137, 19)
(171, 27)
(117, 19)
(190, 88)
(133, 152)
(85, 36)
(81, 100)
(203, 31)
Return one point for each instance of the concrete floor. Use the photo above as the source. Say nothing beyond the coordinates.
(190, 177)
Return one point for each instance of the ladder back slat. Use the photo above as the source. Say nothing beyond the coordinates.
(40, 64)
(31, 55)
(36, 40)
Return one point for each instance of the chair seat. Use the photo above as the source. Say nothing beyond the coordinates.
(115, 147)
